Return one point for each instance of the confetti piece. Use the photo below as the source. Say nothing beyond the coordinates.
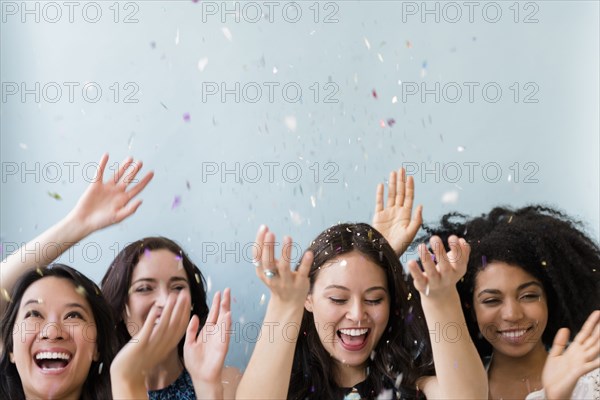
(313, 201)
(408, 44)
(391, 122)
(509, 177)
(130, 142)
(450, 197)
(187, 117)
(23, 146)
(398, 381)
(296, 217)
(147, 252)
(100, 368)
(197, 278)
(275, 70)
(176, 202)
(40, 301)
(164, 106)
(290, 122)
(202, 63)
(227, 33)
(380, 57)
(394, 100)
(544, 263)
(177, 37)
(55, 195)
(374, 93)
(460, 149)
(483, 261)
(344, 263)
(81, 290)
(367, 43)
(409, 296)
(39, 271)
(5, 295)
(208, 284)
(187, 185)
(510, 219)
(263, 298)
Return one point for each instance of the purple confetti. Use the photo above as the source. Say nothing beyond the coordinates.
(484, 261)
(176, 202)
(146, 252)
(187, 117)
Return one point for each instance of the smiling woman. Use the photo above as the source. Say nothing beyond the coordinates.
(56, 346)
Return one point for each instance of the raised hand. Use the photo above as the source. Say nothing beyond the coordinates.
(394, 220)
(442, 269)
(160, 333)
(110, 202)
(285, 285)
(204, 353)
(565, 365)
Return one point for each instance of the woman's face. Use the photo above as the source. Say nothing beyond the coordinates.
(54, 339)
(511, 308)
(350, 305)
(157, 274)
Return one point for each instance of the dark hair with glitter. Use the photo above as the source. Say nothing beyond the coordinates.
(97, 383)
(117, 280)
(545, 243)
(404, 347)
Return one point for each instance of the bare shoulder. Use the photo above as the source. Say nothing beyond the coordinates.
(430, 387)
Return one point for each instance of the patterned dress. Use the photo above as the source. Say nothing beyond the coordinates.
(181, 389)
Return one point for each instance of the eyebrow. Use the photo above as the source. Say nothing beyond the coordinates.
(68, 305)
(152, 280)
(519, 288)
(346, 289)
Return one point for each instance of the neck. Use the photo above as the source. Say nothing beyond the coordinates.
(164, 373)
(348, 376)
(528, 366)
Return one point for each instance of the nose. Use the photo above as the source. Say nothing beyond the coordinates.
(511, 310)
(356, 311)
(162, 294)
(54, 330)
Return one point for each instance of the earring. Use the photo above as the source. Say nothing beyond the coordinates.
(11, 357)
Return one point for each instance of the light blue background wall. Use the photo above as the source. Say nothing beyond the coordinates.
(172, 52)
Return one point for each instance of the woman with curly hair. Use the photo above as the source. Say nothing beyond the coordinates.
(532, 283)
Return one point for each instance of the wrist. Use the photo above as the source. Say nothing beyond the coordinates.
(75, 226)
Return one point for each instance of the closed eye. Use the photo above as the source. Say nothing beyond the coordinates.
(74, 315)
(531, 297)
(337, 301)
(143, 288)
(491, 301)
(374, 302)
(32, 314)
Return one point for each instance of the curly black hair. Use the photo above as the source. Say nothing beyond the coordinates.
(544, 242)
(404, 349)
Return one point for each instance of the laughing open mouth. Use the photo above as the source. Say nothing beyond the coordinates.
(50, 360)
(353, 339)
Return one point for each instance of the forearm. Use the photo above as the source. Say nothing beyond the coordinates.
(206, 390)
(268, 373)
(459, 370)
(40, 251)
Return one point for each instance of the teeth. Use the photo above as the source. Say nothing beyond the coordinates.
(49, 355)
(354, 332)
(514, 334)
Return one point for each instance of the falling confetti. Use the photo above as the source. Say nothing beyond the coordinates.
(380, 57)
(81, 290)
(227, 33)
(290, 122)
(5, 295)
(450, 197)
(54, 195)
(177, 37)
(483, 261)
(202, 63)
(187, 117)
(275, 70)
(394, 100)
(408, 44)
(544, 263)
(23, 146)
(313, 201)
(164, 106)
(460, 149)
(367, 43)
(382, 123)
(176, 202)
(147, 252)
(208, 284)
(130, 142)
(374, 93)
(296, 217)
(263, 298)
(391, 122)
(187, 185)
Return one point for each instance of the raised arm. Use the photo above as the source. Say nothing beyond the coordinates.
(564, 367)
(268, 373)
(394, 220)
(459, 370)
(101, 205)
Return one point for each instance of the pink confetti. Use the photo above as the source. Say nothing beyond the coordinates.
(176, 202)
(374, 93)
(187, 117)
(382, 123)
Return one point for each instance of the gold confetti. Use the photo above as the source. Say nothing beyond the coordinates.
(543, 263)
(5, 295)
(81, 290)
(510, 219)
(370, 235)
(197, 278)
(39, 271)
(55, 196)
(409, 296)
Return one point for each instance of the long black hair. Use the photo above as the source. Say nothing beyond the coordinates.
(97, 384)
(545, 243)
(404, 347)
